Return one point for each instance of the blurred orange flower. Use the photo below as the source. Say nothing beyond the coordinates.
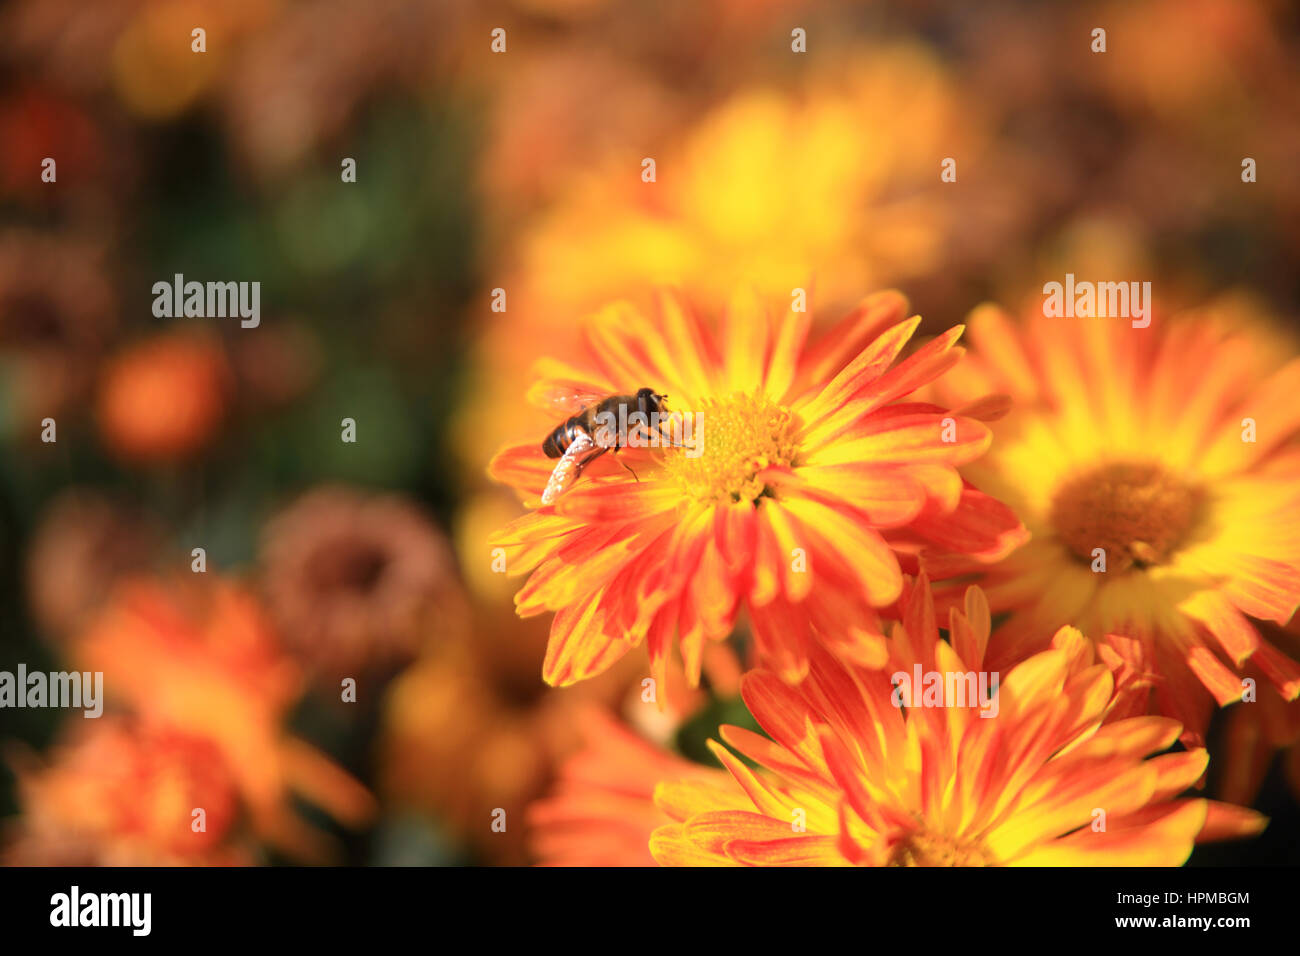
(162, 399)
(200, 658)
(601, 810)
(814, 477)
(116, 794)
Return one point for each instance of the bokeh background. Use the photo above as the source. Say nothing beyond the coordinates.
(475, 171)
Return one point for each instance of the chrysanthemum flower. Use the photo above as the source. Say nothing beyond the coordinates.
(811, 479)
(848, 777)
(1173, 452)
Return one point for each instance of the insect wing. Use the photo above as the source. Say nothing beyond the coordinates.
(570, 466)
(562, 397)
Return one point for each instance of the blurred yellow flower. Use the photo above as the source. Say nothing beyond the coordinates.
(774, 188)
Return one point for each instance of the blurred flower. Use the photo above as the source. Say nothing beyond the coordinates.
(764, 188)
(163, 399)
(57, 313)
(601, 810)
(275, 365)
(357, 582)
(558, 107)
(200, 658)
(141, 49)
(469, 728)
(812, 478)
(36, 125)
(66, 42)
(298, 83)
(116, 794)
(851, 778)
(85, 543)
(1183, 470)
(1200, 52)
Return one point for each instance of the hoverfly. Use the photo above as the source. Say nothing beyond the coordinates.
(598, 424)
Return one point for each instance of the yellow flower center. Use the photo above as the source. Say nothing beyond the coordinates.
(925, 848)
(1139, 513)
(734, 439)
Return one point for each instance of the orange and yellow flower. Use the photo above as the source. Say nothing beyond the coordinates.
(1173, 453)
(813, 482)
(1054, 776)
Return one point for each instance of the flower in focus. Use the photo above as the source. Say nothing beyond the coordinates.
(812, 482)
(116, 794)
(202, 660)
(357, 582)
(601, 811)
(163, 399)
(1175, 450)
(850, 777)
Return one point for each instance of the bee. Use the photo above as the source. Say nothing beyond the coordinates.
(598, 425)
